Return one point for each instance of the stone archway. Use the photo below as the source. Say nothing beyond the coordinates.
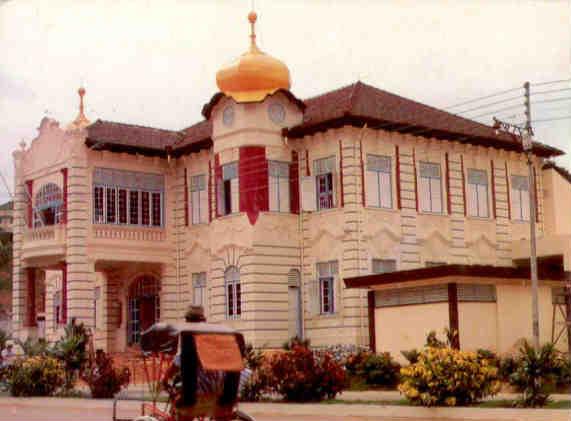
(143, 306)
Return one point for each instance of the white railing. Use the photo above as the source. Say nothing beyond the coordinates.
(126, 233)
(45, 233)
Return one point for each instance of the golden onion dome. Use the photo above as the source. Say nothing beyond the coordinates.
(253, 75)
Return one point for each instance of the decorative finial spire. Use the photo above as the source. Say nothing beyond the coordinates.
(81, 120)
(252, 18)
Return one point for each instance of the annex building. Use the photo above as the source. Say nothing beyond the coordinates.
(356, 216)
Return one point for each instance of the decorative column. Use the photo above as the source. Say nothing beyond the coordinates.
(18, 227)
(79, 277)
(456, 193)
(409, 248)
(502, 209)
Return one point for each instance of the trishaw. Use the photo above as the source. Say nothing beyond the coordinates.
(203, 348)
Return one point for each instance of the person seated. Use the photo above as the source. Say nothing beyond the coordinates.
(209, 383)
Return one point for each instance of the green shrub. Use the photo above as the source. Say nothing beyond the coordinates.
(379, 370)
(411, 355)
(34, 347)
(255, 387)
(71, 350)
(446, 376)
(563, 373)
(301, 375)
(507, 366)
(103, 379)
(36, 376)
(536, 374)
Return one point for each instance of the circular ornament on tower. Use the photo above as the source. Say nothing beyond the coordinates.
(228, 115)
(276, 112)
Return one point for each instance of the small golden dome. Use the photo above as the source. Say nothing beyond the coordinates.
(253, 75)
(81, 120)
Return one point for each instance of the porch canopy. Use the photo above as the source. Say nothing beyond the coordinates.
(450, 281)
(456, 273)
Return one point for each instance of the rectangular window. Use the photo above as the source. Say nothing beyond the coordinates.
(145, 208)
(430, 189)
(134, 207)
(384, 265)
(279, 188)
(478, 193)
(520, 197)
(199, 289)
(198, 199)
(324, 170)
(111, 194)
(327, 274)
(98, 207)
(229, 195)
(122, 206)
(378, 181)
(157, 209)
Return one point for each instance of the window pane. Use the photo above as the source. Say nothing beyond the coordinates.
(378, 163)
(372, 189)
(482, 201)
(324, 166)
(122, 206)
(230, 298)
(385, 188)
(273, 188)
(203, 206)
(111, 205)
(230, 171)
(134, 207)
(98, 205)
(156, 197)
(284, 194)
(145, 210)
(195, 206)
(238, 298)
(429, 170)
(425, 195)
(235, 201)
(384, 265)
(436, 195)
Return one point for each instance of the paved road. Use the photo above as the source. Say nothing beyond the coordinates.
(75, 409)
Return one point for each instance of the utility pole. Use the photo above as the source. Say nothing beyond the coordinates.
(525, 135)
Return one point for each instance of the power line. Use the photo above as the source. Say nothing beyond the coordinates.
(497, 111)
(550, 91)
(544, 101)
(481, 98)
(489, 104)
(552, 119)
(551, 82)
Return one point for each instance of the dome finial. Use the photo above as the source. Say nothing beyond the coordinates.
(252, 18)
(81, 120)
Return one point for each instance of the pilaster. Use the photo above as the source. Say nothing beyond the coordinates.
(410, 249)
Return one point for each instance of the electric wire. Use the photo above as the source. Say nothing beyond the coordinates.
(481, 98)
(551, 91)
(489, 104)
(552, 82)
(545, 101)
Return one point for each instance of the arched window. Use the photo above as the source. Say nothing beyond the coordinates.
(233, 293)
(48, 205)
(143, 306)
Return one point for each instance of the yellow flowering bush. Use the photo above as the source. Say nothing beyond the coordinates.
(450, 377)
(36, 376)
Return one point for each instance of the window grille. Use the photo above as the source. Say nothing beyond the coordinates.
(233, 293)
(430, 187)
(324, 165)
(520, 197)
(279, 187)
(198, 199)
(378, 181)
(199, 289)
(327, 274)
(384, 265)
(434, 294)
(478, 193)
(48, 204)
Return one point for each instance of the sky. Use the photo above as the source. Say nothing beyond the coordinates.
(154, 62)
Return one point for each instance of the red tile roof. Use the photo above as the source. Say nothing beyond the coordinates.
(563, 172)
(354, 105)
(360, 103)
(120, 136)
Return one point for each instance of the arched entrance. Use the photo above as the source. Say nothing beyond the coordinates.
(143, 306)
